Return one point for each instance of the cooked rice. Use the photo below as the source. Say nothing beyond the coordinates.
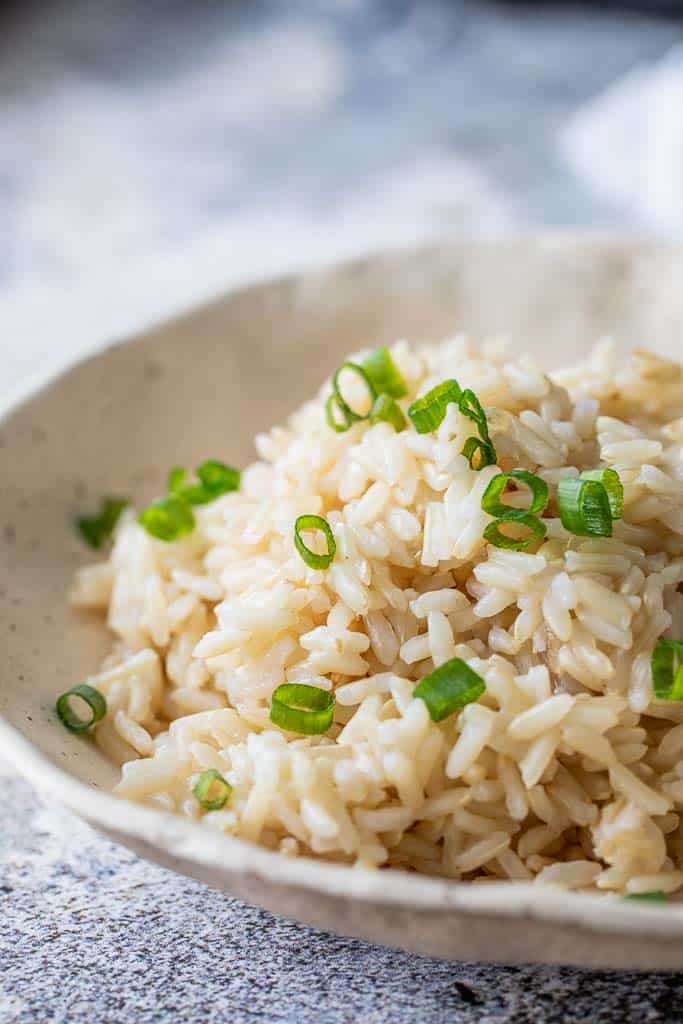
(566, 770)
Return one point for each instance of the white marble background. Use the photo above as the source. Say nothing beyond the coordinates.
(153, 153)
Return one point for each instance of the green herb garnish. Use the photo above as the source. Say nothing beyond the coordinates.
(95, 530)
(92, 698)
(297, 707)
(449, 688)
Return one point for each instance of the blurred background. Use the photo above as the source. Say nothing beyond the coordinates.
(153, 153)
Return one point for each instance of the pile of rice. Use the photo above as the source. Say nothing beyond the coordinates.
(566, 771)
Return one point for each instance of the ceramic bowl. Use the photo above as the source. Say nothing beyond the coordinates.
(202, 385)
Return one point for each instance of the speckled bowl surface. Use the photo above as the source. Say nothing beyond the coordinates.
(202, 385)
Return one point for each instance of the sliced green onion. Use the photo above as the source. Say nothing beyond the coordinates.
(217, 478)
(172, 517)
(491, 503)
(336, 416)
(427, 412)
(487, 453)
(95, 530)
(176, 479)
(92, 697)
(297, 707)
(471, 407)
(667, 670)
(494, 534)
(351, 415)
(657, 896)
(384, 374)
(609, 478)
(386, 409)
(91, 531)
(168, 519)
(311, 558)
(584, 507)
(448, 688)
(111, 511)
(212, 782)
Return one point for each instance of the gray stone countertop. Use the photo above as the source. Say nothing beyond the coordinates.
(91, 933)
(150, 155)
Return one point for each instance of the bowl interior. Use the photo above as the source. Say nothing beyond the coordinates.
(203, 385)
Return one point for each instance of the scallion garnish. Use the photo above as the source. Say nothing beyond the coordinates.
(386, 409)
(92, 697)
(448, 688)
(311, 558)
(471, 407)
(211, 790)
(95, 530)
(427, 415)
(175, 479)
(215, 479)
(536, 527)
(485, 449)
(667, 670)
(384, 374)
(427, 412)
(172, 517)
(297, 707)
(350, 414)
(491, 503)
(335, 415)
(584, 507)
(656, 896)
(609, 478)
(168, 519)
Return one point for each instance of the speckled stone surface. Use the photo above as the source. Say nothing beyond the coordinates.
(147, 159)
(91, 933)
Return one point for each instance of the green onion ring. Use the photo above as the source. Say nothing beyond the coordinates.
(584, 507)
(427, 412)
(95, 530)
(487, 453)
(212, 780)
(667, 670)
(656, 896)
(92, 697)
(385, 409)
(384, 374)
(351, 415)
(311, 558)
(218, 478)
(215, 479)
(494, 535)
(340, 426)
(449, 688)
(609, 478)
(168, 519)
(491, 503)
(175, 479)
(471, 407)
(297, 707)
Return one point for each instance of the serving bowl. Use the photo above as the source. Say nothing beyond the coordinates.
(202, 385)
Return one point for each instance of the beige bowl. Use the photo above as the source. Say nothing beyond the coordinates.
(202, 386)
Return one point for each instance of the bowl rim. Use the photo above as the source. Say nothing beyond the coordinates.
(192, 842)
